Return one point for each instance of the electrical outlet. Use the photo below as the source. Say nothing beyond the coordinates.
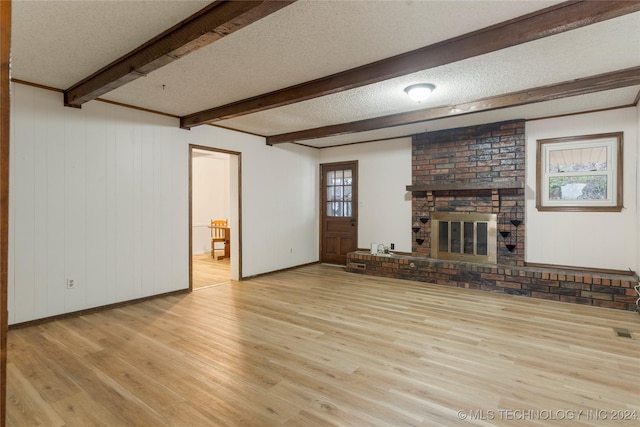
(70, 284)
(291, 250)
(392, 246)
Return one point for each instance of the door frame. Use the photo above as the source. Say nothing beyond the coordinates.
(236, 235)
(5, 125)
(354, 207)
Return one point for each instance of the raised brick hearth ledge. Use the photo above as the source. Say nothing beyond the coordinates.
(573, 286)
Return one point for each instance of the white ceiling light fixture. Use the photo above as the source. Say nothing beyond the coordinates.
(419, 92)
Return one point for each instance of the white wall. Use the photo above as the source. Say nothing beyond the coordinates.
(279, 205)
(89, 201)
(606, 240)
(384, 207)
(210, 198)
(100, 195)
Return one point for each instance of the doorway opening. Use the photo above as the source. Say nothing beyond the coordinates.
(214, 195)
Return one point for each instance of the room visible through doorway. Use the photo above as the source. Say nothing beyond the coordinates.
(214, 197)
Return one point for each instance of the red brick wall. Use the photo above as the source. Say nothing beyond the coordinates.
(489, 153)
(573, 286)
(485, 153)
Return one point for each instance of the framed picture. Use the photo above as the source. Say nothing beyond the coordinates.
(580, 173)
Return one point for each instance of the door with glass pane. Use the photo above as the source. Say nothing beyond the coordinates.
(339, 201)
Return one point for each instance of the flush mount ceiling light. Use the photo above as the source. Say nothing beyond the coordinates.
(419, 92)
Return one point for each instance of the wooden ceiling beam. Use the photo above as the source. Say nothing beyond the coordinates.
(213, 22)
(601, 82)
(546, 22)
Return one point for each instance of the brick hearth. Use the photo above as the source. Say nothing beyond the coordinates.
(574, 286)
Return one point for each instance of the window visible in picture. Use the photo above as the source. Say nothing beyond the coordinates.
(580, 173)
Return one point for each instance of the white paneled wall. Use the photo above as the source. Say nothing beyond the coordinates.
(98, 195)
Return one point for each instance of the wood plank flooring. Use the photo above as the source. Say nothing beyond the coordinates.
(208, 271)
(316, 346)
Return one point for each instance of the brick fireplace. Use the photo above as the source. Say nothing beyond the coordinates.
(475, 171)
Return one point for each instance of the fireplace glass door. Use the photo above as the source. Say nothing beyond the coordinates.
(464, 237)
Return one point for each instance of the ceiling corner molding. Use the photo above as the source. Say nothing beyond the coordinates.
(583, 86)
(212, 23)
(543, 23)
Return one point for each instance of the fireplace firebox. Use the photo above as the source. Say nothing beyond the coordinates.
(464, 237)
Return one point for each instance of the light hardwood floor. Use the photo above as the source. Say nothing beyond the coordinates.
(208, 271)
(316, 346)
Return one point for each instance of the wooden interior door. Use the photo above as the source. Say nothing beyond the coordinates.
(339, 207)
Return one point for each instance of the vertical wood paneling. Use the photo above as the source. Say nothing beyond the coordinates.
(136, 205)
(110, 115)
(75, 200)
(124, 202)
(147, 229)
(41, 242)
(54, 251)
(158, 219)
(23, 219)
(164, 215)
(179, 194)
(96, 235)
(100, 197)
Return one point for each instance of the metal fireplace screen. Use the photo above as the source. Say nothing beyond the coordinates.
(464, 237)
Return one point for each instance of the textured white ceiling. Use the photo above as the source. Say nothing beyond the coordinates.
(57, 43)
(308, 40)
(596, 101)
(587, 51)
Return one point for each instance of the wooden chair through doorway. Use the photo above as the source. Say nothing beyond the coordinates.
(220, 233)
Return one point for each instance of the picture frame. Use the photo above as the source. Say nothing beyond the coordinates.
(580, 173)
